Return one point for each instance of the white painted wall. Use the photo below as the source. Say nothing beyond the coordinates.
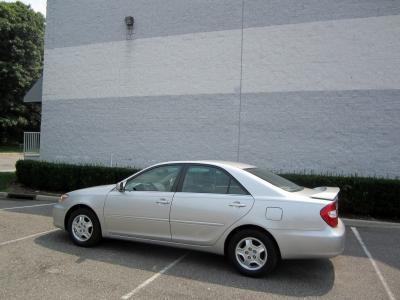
(351, 54)
(320, 87)
(201, 63)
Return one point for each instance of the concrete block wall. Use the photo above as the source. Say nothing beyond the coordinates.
(289, 85)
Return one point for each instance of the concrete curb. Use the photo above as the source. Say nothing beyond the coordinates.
(371, 224)
(5, 195)
(47, 198)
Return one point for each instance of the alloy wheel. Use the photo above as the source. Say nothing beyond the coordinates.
(251, 253)
(82, 228)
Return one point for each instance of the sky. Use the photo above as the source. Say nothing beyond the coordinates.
(37, 5)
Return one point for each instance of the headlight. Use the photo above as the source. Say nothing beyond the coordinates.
(63, 198)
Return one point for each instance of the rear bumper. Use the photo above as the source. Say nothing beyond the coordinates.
(59, 215)
(311, 244)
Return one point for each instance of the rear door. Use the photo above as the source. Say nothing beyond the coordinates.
(208, 201)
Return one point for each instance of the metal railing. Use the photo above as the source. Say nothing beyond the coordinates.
(31, 144)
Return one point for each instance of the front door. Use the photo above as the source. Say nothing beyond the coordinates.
(209, 202)
(142, 209)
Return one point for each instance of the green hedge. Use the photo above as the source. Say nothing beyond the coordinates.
(59, 177)
(6, 178)
(361, 196)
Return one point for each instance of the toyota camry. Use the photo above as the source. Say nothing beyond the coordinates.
(248, 214)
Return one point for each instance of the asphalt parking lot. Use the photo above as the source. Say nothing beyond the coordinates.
(38, 261)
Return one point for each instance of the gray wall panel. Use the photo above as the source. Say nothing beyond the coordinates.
(141, 130)
(338, 132)
(71, 22)
(279, 12)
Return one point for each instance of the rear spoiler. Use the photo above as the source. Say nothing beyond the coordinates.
(326, 193)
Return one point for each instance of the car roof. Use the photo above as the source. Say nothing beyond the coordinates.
(220, 163)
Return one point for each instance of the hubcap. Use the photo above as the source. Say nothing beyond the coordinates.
(251, 253)
(82, 228)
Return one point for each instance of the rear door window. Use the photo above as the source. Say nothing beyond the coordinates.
(208, 179)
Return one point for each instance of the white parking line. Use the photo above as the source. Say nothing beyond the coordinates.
(27, 237)
(152, 278)
(28, 206)
(378, 272)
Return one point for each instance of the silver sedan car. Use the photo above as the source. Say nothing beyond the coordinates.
(251, 215)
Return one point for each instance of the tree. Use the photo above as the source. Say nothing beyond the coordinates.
(21, 60)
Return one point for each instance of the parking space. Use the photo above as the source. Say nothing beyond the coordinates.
(41, 262)
(384, 247)
(23, 218)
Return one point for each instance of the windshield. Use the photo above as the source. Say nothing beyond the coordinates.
(274, 179)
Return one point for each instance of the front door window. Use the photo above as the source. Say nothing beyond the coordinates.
(160, 179)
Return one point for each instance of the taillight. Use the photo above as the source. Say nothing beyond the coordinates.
(329, 214)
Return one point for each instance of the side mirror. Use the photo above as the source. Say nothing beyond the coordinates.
(120, 186)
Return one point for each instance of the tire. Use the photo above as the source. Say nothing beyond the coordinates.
(261, 262)
(84, 228)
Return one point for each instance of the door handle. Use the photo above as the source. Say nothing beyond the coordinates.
(162, 201)
(237, 204)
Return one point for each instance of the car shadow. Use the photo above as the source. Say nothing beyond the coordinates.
(300, 278)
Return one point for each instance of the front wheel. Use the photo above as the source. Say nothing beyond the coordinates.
(84, 228)
(253, 253)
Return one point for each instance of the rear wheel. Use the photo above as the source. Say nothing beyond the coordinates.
(252, 252)
(84, 228)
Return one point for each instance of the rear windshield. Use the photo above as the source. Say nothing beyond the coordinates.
(274, 179)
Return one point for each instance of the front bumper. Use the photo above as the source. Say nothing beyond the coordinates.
(311, 244)
(59, 212)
